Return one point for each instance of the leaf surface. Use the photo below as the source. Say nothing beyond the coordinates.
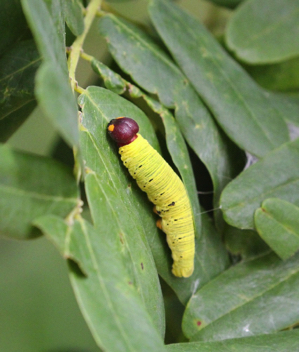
(238, 104)
(47, 25)
(277, 222)
(17, 72)
(51, 87)
(264, 32)
(13, 24)
(227, 3)
(251, 298)
(244, 243)
(282, 76)
(275, 175)
(31, 186)
(281, 342)
(107, 296)
(288, 105)
(74, 16)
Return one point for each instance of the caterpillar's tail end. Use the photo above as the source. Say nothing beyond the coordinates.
(182, 272)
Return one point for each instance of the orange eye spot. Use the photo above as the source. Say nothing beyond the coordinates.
(121, 117)
(159, 224)
(111, 128)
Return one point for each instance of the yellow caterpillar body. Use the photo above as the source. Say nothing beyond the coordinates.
(166, 190)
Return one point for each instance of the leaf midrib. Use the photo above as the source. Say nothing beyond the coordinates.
(252, 298)
(154, 50)
(229, 82)
(285, 226)
(31, 63)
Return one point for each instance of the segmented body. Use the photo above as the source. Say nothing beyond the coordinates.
(166, 190)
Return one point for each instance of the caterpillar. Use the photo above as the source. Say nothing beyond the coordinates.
(164, 188)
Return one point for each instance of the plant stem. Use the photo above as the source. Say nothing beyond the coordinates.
(86, 56)
(76, 48)
(79, 89)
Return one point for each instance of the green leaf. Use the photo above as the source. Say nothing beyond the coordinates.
(283, 76)
(277, 222)
(58, 102)
(275, 175)
(13, 24)
(281, 342)
(17, 71)
(244, 243)
(46, 25)
(107, 295)
(288, 105)
(264, 31)
(251, 298)
(152, 69)
(112, 80)
(52, 83)
(227, 3)
(113, 204)
(73, 16)
(31, 186)
(239, 105)
(137, 256)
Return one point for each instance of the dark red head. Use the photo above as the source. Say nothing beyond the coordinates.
(123, 130)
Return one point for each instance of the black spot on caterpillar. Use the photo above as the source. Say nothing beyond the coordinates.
(163, 187)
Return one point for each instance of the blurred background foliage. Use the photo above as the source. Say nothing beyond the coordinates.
(38, 311)
(38, 308)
